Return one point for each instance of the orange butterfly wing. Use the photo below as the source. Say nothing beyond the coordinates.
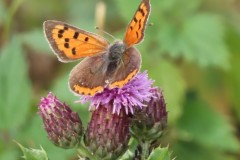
(136, 27)
(71, 43)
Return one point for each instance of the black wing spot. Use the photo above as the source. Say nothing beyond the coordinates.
(131, 27)
(135, 19)
(65, 28)
(86, 39)
(66, 45)
(137, 34)
(76, 34)
(141, 10)
(61, 31)
(60, 35)
(66, 39)
(74, 51)
(139, 26)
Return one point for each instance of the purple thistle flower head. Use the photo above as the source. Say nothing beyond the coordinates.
(107, 135)
(63, 126)
(134, 94)
(150, 123)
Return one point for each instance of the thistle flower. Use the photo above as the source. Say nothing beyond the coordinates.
(107, 135)
(150, 122)
(63, 126)
(128, 98)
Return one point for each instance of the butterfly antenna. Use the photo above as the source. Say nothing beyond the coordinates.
(106, 33)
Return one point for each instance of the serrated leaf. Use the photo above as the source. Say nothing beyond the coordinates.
(207, 127)
(15, 88)
(160, 154)
(33, 154)
(206, 43)
(128, 155)
(196, 42)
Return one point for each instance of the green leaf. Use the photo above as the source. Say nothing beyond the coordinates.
(36, 133)
(160, 154)
(127, 9)
(196, 42)
(202, 125)
(15, 88)
(36, 40)
(128, 155)
(82, 16)
(33, 154)
(3, 12)
(9, 153)
(169, 79)
(233, 76)
(193, 151)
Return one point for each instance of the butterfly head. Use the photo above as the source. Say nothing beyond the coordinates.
(116, 50)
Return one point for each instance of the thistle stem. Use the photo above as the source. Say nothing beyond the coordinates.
(84, 152)
(145, 150)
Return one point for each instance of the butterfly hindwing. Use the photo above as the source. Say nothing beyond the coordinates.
(128, 68)
(135, 30)
(88, 77)
(93, 74)
(71, 43)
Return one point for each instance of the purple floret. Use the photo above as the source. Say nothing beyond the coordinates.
(134, 94)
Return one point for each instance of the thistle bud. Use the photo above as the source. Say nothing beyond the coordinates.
(107, 134)
(63, 126)
(149, 123)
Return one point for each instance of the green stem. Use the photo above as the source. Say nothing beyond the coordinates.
(8, 21)
(83, 151)
(145, 150)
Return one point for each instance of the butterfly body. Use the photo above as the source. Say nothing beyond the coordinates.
(116, 50)
(104, 64)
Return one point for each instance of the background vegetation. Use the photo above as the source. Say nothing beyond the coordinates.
(192, 52)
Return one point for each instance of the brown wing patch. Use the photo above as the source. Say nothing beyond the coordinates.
(88, 77)
(121, 83)
(71, 43)
(135, 31)
(129, 67)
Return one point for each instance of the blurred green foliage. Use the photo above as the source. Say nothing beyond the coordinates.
(192, 52)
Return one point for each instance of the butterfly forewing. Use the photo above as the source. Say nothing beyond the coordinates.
(71, 43)
(135, 30)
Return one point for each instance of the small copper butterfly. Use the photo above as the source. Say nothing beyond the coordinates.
(105, 64)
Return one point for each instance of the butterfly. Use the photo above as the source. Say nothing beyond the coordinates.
(104, 64)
